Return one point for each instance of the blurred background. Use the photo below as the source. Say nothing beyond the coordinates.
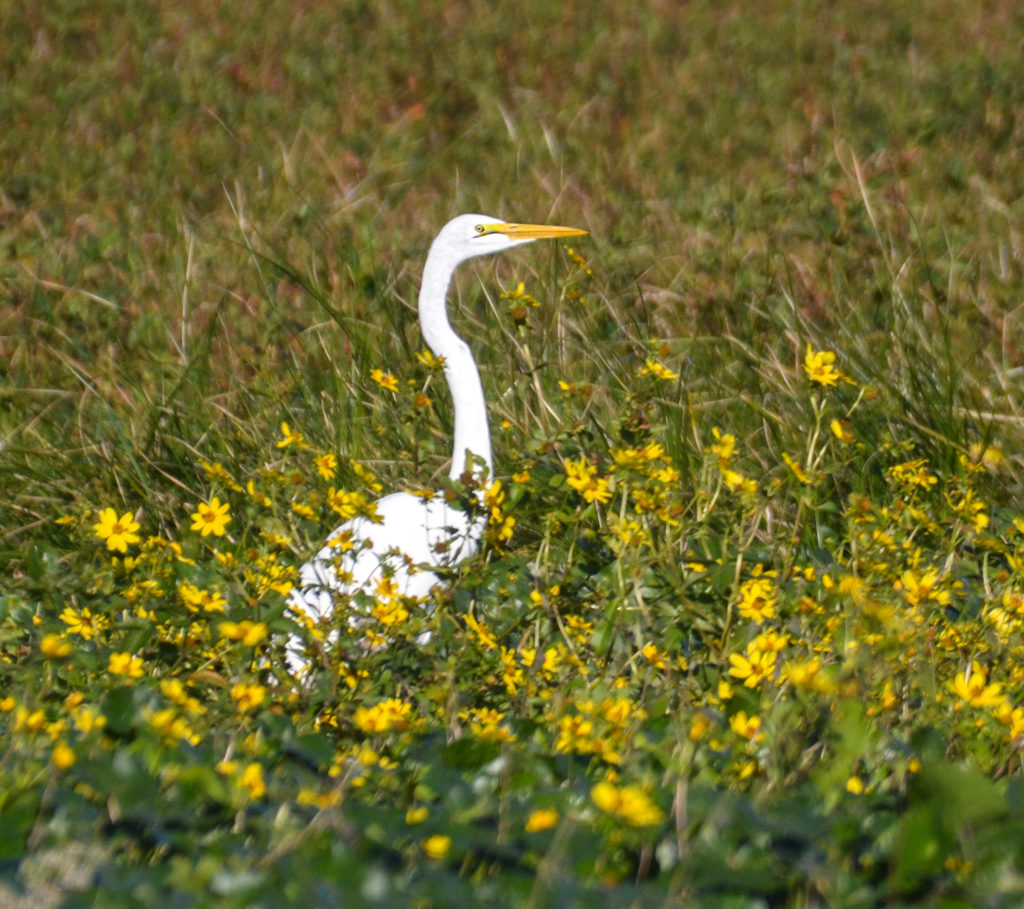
(191, 195)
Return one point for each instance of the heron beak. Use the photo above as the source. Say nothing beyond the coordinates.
(534, 231)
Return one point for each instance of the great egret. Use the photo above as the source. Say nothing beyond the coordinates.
(393, 556)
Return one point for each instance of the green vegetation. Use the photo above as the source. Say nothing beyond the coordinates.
(748, 629)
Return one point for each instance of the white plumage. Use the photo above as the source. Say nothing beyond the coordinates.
(415, 534)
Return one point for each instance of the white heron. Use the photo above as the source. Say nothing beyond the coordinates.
(413, 534)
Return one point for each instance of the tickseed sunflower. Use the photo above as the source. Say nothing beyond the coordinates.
(630, 803)
(757, 599)
(384, 379)
(83, 622)
(251, 781)
(211, 517)
(62, 757)
(582, 477)
(326, 465)
(820, 367)
(541, 819)
(54, 646)
(841, 430)
(248, 697)
(747, 727)
(724, 446)
(383, 717)
(658, 370)
(437, 846)
(972, 686)
(753, 667)
(290, 437)
(248, 632)
(416, 815)
(119, 532)
(127, 665)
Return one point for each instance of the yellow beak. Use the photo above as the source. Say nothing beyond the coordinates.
(533, 231)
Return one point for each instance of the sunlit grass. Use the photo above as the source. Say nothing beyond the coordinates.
(748, 621)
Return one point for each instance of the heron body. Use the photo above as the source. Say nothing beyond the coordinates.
(413, 535)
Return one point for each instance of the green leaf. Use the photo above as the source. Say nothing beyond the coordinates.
(17, 818)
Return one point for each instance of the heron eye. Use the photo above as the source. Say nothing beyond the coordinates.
(480, 230)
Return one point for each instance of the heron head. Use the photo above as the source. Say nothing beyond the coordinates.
(477, 235)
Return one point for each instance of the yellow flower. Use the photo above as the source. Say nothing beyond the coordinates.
(820, 368)
(511, 674)
(970, 685)
(1011, 716)
(211, 518)
(575, 735)
(913, 474)
(119, 532)
(172, 726)
(582, 478)
(384, 379)
(737, 482)
(416, 815)
(700, 726)
(630, 803)
(260, 498)
(62, 756)
(326, 464)
(248, 697)
(971, 510)
(797, 468)
(983, 456)
(195, 598)
(347, 504)
(249, 633)
(82, 623)
(919, 589)
(126, 664)
(659, 371)
(389, 611)
(86, 719)
(437, 846)
(485, 724)
(841, 430)
(769, 642)
(54, 647)
(724, 446)
(757, 599)
(747, 727)
(429, 360)
(219, 474)
(383, 717)
(483, 634)
(653, 656)
(753, 667)
(541, 819)
(808, 675)
(627, 532)
(290, 437)
(252, 781)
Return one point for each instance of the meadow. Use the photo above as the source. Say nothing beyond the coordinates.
(747, 629)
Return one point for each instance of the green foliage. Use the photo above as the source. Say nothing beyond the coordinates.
(748, 626)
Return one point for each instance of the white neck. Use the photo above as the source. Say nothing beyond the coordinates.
(471, 432)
